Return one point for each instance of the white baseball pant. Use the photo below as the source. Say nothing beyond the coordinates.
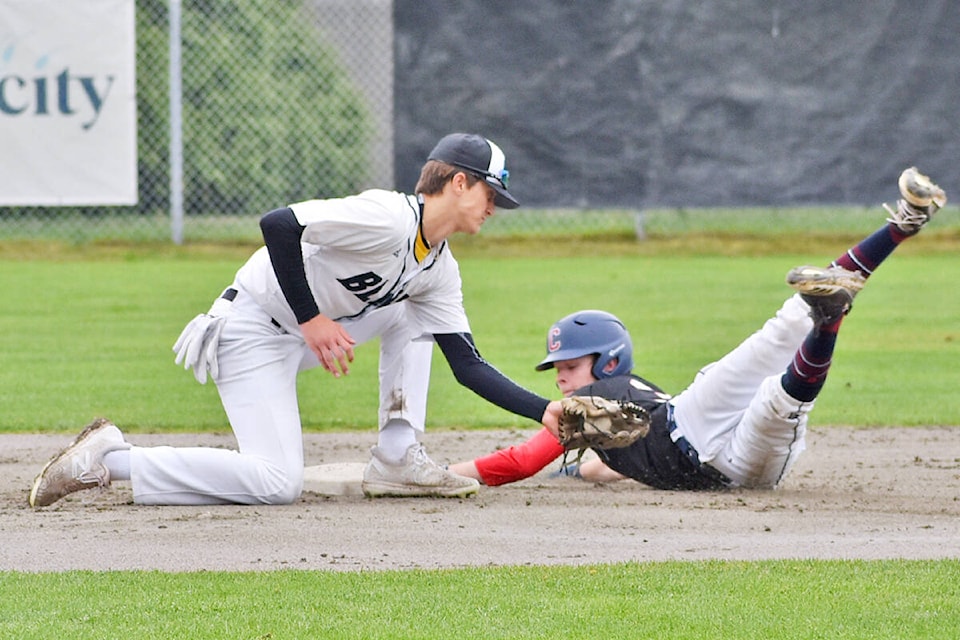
(736, 414)
(257, 382)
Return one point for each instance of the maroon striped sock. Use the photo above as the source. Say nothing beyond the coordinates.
(807, 373)
(866, 256)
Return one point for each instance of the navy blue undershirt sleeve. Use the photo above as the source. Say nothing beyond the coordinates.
(478, 375)
(281, 234)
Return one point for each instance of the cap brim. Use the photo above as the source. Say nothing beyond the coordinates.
(547, 363)
(502, 199)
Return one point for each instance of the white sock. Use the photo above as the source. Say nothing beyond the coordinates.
(118, 464)
(395, 438)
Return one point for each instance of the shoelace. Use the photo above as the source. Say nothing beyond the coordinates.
(90, 477)
(907, 214)
(420, 457)
(84, 472)
(87, 475)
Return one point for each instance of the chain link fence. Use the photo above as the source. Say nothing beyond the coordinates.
(281, 100)
(285, 100)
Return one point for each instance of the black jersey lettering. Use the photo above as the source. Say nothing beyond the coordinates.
(363, 285)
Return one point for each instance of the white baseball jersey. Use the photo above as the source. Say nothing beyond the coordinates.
(361, 253)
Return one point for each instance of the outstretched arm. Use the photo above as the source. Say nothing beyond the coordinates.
(513, 463)
(527, 459)
(478, 375)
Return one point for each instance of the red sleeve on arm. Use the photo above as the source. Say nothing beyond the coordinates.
(519, 461)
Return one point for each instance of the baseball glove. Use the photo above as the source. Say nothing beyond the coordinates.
(595, 422)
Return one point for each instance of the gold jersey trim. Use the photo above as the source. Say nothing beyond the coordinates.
(420, 246)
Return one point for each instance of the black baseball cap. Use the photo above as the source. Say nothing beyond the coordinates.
(481, 157)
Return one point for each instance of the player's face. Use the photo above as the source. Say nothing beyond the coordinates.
(476, 205)
(573, 374)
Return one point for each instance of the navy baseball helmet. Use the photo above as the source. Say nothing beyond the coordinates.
(590, 332)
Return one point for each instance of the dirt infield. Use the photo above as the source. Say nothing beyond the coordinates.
(855, 493)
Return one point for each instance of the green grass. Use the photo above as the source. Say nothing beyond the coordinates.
(57, 225)
(88, 331)
(677, 600)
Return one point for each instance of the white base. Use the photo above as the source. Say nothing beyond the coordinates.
(336, 479)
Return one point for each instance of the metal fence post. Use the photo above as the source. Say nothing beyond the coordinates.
(176, 127)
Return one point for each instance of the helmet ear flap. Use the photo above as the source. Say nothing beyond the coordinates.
(619, 350)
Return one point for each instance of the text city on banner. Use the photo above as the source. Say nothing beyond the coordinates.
(68, 111)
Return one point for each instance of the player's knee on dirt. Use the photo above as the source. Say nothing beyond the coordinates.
(281, 486)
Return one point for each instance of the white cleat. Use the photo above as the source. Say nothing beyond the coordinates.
(828, 290)
(415, 475)
(919, 190)
(921, 199)
(80, 465)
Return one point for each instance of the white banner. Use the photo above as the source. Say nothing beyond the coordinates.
(68, 110)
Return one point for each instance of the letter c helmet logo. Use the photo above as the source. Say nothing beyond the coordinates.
(553, 341)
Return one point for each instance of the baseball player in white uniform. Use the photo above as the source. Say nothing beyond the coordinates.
(332, 274)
